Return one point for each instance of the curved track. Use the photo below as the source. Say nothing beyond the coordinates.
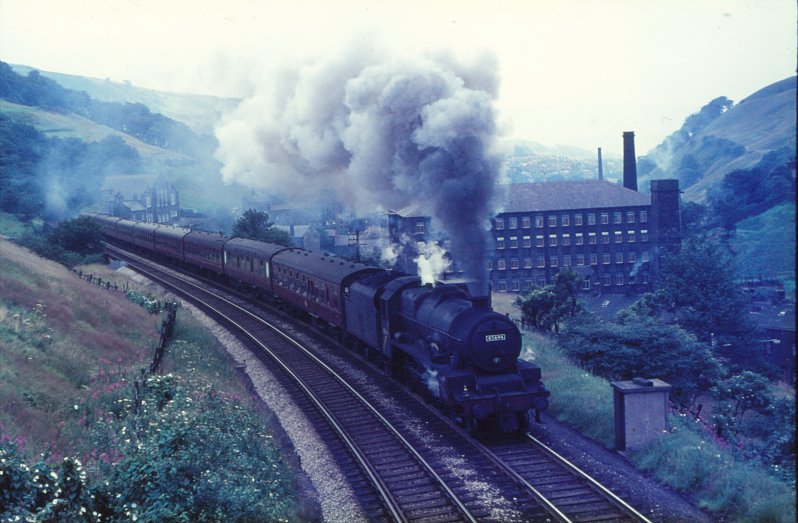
(397, 472)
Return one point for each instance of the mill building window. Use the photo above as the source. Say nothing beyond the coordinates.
(499, 224)
(500, 243)
(643, 216)
(618, 237)
(630, 217)
(566, 240)
(552, 240)
(526, 222)
(577, 219)
(513, 263)
(501, 264)
(630, 236)
(631, 257)
(527, 242)
(619, 257)
(565, 220)
(539, 241)
(553, 261)
(605, 218)
(617, 217)
(566, 261)
(605, 237)
(513, 242)
(512, 223)
(605, 258)
(580, 259)
(644, 235)
(541, 262)
(538, 221)
(591, 219)
(527, 263)
(552, 221)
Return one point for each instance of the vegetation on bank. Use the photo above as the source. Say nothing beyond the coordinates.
(732, 441)
(691, 458)
(77, 445)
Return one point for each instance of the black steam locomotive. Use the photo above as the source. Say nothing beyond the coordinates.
(443, 343)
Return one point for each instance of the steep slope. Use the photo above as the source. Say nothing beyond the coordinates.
(200, 112)
(728, 139)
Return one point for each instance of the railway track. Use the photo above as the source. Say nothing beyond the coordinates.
(398, 472)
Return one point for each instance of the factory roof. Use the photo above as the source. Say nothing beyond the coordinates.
(568, 195)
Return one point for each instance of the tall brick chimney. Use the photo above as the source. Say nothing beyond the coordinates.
(601, 167)
(629, 161)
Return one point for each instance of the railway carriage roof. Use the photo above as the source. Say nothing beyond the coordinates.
(211, 239)
(171, 232)
(148, 227)
(329, 268)
(252, 248)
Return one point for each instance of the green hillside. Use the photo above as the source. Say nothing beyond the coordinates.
(722, 138)
(765, 244)
(200, 112)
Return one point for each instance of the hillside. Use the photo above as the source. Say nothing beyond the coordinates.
(724, 137)
(73, 439)
(200, 112)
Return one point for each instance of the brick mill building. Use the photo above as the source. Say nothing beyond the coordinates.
(610, 234)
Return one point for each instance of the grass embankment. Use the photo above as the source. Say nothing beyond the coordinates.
(190, 447)
(688, 459)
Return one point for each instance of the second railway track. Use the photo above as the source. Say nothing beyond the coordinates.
(397, 474)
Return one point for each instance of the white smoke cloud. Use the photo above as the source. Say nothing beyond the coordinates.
(380, 133)
(432, 262)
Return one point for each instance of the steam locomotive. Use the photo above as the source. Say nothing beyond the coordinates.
(443, 343)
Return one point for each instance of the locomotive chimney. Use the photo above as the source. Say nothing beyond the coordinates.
(629, 161)
(480, 300)
(601, 167)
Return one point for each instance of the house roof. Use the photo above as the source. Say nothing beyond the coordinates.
(767, 315)
(414, 210)
(129, 184)
(567, 195)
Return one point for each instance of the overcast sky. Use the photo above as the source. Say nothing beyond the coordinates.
(572, 72)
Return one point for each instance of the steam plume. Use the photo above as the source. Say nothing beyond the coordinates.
(380, 133)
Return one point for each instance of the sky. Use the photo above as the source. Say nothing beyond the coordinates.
(576, 73)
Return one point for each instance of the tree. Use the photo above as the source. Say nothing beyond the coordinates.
(81, 235)
(643, 346)
(255, 225)
(737, 395)
(544, 308)
(698, 287)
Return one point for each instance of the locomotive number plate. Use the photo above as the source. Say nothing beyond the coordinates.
(495, 337)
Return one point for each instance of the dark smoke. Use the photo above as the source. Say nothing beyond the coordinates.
(381, 134)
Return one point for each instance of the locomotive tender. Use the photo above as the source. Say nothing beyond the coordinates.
(451, 348)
